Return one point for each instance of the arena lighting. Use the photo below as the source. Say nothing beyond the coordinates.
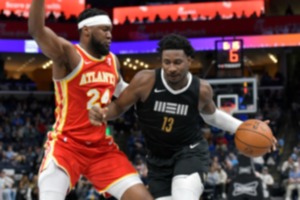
(273, 58)
(137, 64)
(142, 47)
(26, 64)
(47, 64)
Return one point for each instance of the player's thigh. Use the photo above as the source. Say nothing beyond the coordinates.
(191, 160)
(71, 162)
(53, 182)
(160, 187)
(109, 168)
(160, 173)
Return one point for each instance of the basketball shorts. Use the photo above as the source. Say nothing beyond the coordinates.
(102, 163)
(190, 159)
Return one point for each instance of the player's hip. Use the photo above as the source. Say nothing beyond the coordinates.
(90, 147)
(197, 149)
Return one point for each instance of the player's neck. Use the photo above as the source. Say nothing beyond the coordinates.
(178, 87)
(90, 51)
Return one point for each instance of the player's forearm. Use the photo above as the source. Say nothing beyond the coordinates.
(114, 111)
(36, 20)
(222, 120)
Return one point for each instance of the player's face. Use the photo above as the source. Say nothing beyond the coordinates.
(100, 39)
(176, 65)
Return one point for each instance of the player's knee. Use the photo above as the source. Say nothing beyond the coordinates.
(53, 183)
(164, 198)
(51, 196)
(137, 192)
(130, 188)
(190, 186)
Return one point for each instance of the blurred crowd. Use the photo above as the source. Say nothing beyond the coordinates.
(24, 122)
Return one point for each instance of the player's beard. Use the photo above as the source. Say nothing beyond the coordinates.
(99, 47)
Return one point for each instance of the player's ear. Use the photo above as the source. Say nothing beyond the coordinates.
(85, 31)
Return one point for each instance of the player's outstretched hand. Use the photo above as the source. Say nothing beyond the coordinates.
(274, 139)
(97, 115)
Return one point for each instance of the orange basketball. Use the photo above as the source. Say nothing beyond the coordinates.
(253, 138)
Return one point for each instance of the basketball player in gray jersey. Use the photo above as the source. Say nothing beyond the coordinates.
(168, 102)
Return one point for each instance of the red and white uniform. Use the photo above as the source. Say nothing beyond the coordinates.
(75, 144)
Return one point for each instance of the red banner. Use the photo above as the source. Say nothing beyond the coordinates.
(267, 25)
(21, 7)
(248, 26)
(196, 11)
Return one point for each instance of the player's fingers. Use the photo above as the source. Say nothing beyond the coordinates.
(274, 140)
(95, 116)
(267, 121)
(93, 119)
(95, 122)
(274, 144)
(104, 113)
(92, 113)
(98, 113)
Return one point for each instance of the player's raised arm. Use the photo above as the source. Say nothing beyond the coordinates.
(51, 45)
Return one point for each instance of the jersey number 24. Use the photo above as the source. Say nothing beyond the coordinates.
(97, 99)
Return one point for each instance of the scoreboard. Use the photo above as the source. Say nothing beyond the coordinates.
(229, 54)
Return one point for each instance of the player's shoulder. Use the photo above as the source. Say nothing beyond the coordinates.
(112, 55)
(66, 44)
(205, 88)
(145, 74)
(143, 77)
(204, 82)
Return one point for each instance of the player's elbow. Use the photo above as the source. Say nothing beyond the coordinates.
(34, 29)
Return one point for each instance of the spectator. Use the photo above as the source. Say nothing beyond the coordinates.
(278, 78)
(213, 179)
(287, 166)
(221, 184)
(142, 169)
(289, 10)
(293, 181)
(32, 193)
(230, 171)
(10, 154)
(8, 191)
(267, 180)
(23, 188)
(266, 79)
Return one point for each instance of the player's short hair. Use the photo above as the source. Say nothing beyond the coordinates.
(90, 12)
(178, 42)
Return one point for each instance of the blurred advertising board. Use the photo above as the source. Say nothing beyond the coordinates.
(134, 32)
(197, 11)
(21, 7)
